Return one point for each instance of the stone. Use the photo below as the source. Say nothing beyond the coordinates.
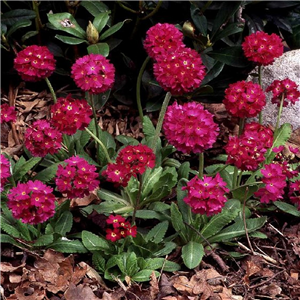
(285, 66)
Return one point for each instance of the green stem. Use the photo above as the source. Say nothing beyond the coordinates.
(234, 180)
(201, 165)
(279, 111)
(92, 103)
(51, 90)
(100, 143)
(259, 82)
(138, 199)
(160, 120)
(39, 230)
(127, 8)
(138, 88)
(241, 125)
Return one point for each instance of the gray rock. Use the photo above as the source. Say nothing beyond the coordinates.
(286, 66)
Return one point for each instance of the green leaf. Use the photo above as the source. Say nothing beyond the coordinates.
(127, 140)
(68, 246)
(151, 176)
(226, 10)
(219, 221)
(24, 230)
(67, 23)
(148, 127)
(192, 254)
(99, 48)
(29, 35)
(143, 275)
(23, 167)
(94, 7)
(47, 174)
(184, 170)
(130, 261)
(149, 214)
(70, 40)
(167, 249)
(112, 30)
(282, 134)
(232, 56)
(101, 20)
(287, 208)
(104, 194)
(98, 261)
(94, 242)
(17, 25)
(244, 192)
(157, 233)
(9, 240)
(199, 20)
(11, 230)
(64, 223)
(213, 72)
(44, 240)
(177, 221)
(237, 230)
(12, 17)
(228, 30)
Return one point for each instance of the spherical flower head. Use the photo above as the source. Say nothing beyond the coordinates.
(8, 113)
(76, 177)
(4, 171)
(259, 132)
(206, 196)
(162, 38)
(275, 182)
(42, 139)
(179, 72)
(245, 153)
(189, 127)
(262, 48)
(284, 88)
(93, 73)
(32, 202)
(70, 115)
(34, 63)
(244, 99)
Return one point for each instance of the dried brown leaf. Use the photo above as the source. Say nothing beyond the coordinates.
(8, 267)
(154, 288)
(80, 292)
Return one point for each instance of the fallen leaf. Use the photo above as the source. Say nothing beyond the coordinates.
(80, 292)
(154, 288)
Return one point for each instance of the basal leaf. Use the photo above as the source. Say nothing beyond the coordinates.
(94, 242)
(177, 221)
(99, 48)
(151, 177)
(64, 223)
(47, 174)
(68, 246)
(287, 208)
(143, 275)
(44, 240)
(22, 169)
(157, 233)
(148, 127)
(192, 254)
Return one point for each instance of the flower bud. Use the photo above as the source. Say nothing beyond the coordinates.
(92, 33)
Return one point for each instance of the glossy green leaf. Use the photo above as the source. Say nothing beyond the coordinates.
(244, 192)
(94, 7)
(227, 31)
(192, 254)
(68, 246)
(101, 20)
(64, 223)
(13, 16)
(148, 127)
(199, 20)
(70, 40)
(99, 48)
(18, 25)
(44, 240)
(21, 169)
(177, 221)
(29, 35)
(232, 56)
(47, 174)
(67, 23)
(213, 72)
(112, 30)
(143, 275)
(127, 140)
(150, 178)
(5, 238)
(157, 233)
(98, 261)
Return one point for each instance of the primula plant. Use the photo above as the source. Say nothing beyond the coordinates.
(155, 197)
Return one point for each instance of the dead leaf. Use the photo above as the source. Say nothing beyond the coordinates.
(8, 267)
(29, 292)
(85, 200)
(183, 285)
(80, 292)
(270, 290)
(154, 288)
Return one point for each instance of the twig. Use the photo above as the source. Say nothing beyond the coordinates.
(265, 281)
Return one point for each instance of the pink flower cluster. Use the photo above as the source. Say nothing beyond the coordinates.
(93, 73)
(42, 139)
(245, 152)
(244, 99)
(34, 63)
(70, 115)
(179, 72)
(260, 133)
(177, 69)
(8, 113)
(76, 177)
(32, 202)
(4, 171)
(163, 38)
(294, 193)
(189, 127)
(284, 88)
(262, 48)
(131, 160)
(121, 228)
(206, 196)
(275, 182)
